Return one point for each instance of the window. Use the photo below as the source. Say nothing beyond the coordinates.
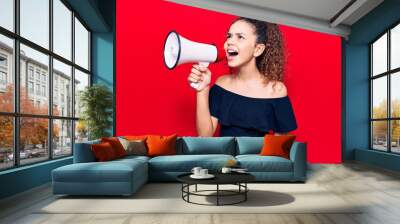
(3, 61)
(62, 137)
(30, 87)
(43, 113)
(6, 142)
(34, 21)
(44, 91)
(3, 78)
(6, 73)
(55, 103)
(62, 74)
(81, 45)
(81, 81)
(38, 74)
(33, 148)
(62, 29)
(7, 14)
(30, 72)
(37, 89)
(3, 72)
(395, 47)
(385, 94)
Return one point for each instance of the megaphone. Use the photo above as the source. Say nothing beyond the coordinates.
(179, 50)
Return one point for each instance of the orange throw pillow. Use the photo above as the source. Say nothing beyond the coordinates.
(161, 145)
(116, 145)
(103, 152)
(277, 145)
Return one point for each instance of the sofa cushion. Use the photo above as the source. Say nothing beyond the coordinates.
(185, 163)
(111, 171)
(159, 145)
(116, 145)
(83, 152)
(249, 145)
(134, 147)
(277, 145)
(257, 163)
(103, 152)
(206, 145)
(132, 158)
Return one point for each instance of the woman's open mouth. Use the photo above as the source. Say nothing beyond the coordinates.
(231, 54)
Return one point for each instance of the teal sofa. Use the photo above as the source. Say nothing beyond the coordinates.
(125, 176)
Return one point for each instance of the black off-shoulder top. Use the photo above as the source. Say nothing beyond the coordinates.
(247, 116)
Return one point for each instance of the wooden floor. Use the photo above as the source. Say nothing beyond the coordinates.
(354, 182)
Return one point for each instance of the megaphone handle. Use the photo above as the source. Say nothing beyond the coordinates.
(204, 64)
(196, 85)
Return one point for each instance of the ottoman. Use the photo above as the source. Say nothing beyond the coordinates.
(119, 177)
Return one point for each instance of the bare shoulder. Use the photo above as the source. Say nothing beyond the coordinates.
(277, 89)
(224, 80)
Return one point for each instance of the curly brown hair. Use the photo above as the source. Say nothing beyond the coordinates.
(272, 61)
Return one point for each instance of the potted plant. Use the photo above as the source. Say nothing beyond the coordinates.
(96, 102)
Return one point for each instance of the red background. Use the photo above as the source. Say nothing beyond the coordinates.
(154, 100)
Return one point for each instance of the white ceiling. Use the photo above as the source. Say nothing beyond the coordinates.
(321, 9)
(327, 16)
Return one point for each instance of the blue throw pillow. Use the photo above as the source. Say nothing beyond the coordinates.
(249, 145)
(207, 145)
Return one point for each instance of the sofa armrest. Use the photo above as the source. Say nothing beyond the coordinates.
(298, 155)
(83, 152)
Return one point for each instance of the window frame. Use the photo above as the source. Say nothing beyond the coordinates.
(16, 114)
(388, 74)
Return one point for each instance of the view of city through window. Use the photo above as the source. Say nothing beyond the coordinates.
(385, 94)
(44, 119)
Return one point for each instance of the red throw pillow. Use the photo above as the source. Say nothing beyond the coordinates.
(277, 145)
(116, 145)
(103, 152)
(161, 145)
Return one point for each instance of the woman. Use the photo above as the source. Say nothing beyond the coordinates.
(253, 100)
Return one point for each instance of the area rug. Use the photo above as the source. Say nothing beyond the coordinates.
(167, 198)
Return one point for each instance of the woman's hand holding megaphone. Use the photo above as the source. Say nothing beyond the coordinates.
(200, 77)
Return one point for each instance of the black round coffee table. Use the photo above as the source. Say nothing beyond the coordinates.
(238, 179)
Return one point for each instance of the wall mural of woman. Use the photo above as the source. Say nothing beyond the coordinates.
(253, 100)
(275, 79)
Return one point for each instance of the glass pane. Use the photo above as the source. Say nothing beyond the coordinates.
(379, 97)
(395, 136)
(81, 81)
(379, 55)
(81, 45)
(6, 142)
(34, 17)
(33, 139)
(81, 131)
(34, 97)
(7, 14)
(379, 135)
(6, 74)
(62, 89)
(395, 95)
(62, 138)
(395, 47)
(62, 29)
